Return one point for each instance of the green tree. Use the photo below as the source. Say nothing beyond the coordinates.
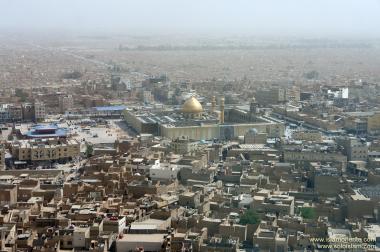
(21, 94)
(308, 213)
(311, 75)
(249, 217)
(89, 150)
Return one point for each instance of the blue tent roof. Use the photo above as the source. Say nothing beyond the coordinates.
(58, 132)
(111, 108)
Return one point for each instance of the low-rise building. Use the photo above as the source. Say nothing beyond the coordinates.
(163, 171)
(307, 135)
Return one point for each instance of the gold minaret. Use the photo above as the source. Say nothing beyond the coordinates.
(222, 110)
(213, 104)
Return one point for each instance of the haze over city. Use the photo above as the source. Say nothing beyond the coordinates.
(320, 18)
(189, 126)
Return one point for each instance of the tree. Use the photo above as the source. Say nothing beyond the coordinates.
(89, 150)
(21, 94)
(308, 213)
(249, 217)
(72, 75)
(311, 75)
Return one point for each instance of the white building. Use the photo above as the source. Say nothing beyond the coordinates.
(80, 236)
(163, 171)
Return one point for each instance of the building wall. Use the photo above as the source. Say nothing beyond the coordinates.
(65, 103)
(353, 148)
(139, 125)
(154, 245)
(221, 131)
(360, 208)
(185, 146)
(327, 185)
(193, 132)
(270, 96)
(51, 151)
(313, 156)
(260, 138)
(2, 158)
(8, 195)
(314, 136)
(163, 174)
(373, 124)
(226, 230)
(39, 111)
(79, 238)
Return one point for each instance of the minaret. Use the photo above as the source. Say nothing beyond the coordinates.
(253, 107)
(222, 110)
(213, 104)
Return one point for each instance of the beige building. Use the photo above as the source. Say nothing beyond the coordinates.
(221, 131)
(363, 122)
(307, 135)
(277, 203)
(44, 149)
(183, 145)
(271, 96)
(373, 124)
(269, 239)
(353, 148)
(307, 118)
(253, 137)
(197, 124)
(304, 157)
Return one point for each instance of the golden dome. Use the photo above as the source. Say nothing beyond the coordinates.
(192, 105)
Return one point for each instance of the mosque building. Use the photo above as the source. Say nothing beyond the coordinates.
(192, 120)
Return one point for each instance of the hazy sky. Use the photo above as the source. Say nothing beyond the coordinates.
(268, 17)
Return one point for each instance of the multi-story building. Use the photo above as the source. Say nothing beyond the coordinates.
(10, 113)
(353, 148)
(367, 122)
(39, 111)
(44, 149)
(27, 111)
(15, 112)
(66, 102)
(373, 124)
(4, 114)
(271, 96)
(184, 145)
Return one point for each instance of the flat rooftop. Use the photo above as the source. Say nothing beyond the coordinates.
(142, 238)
